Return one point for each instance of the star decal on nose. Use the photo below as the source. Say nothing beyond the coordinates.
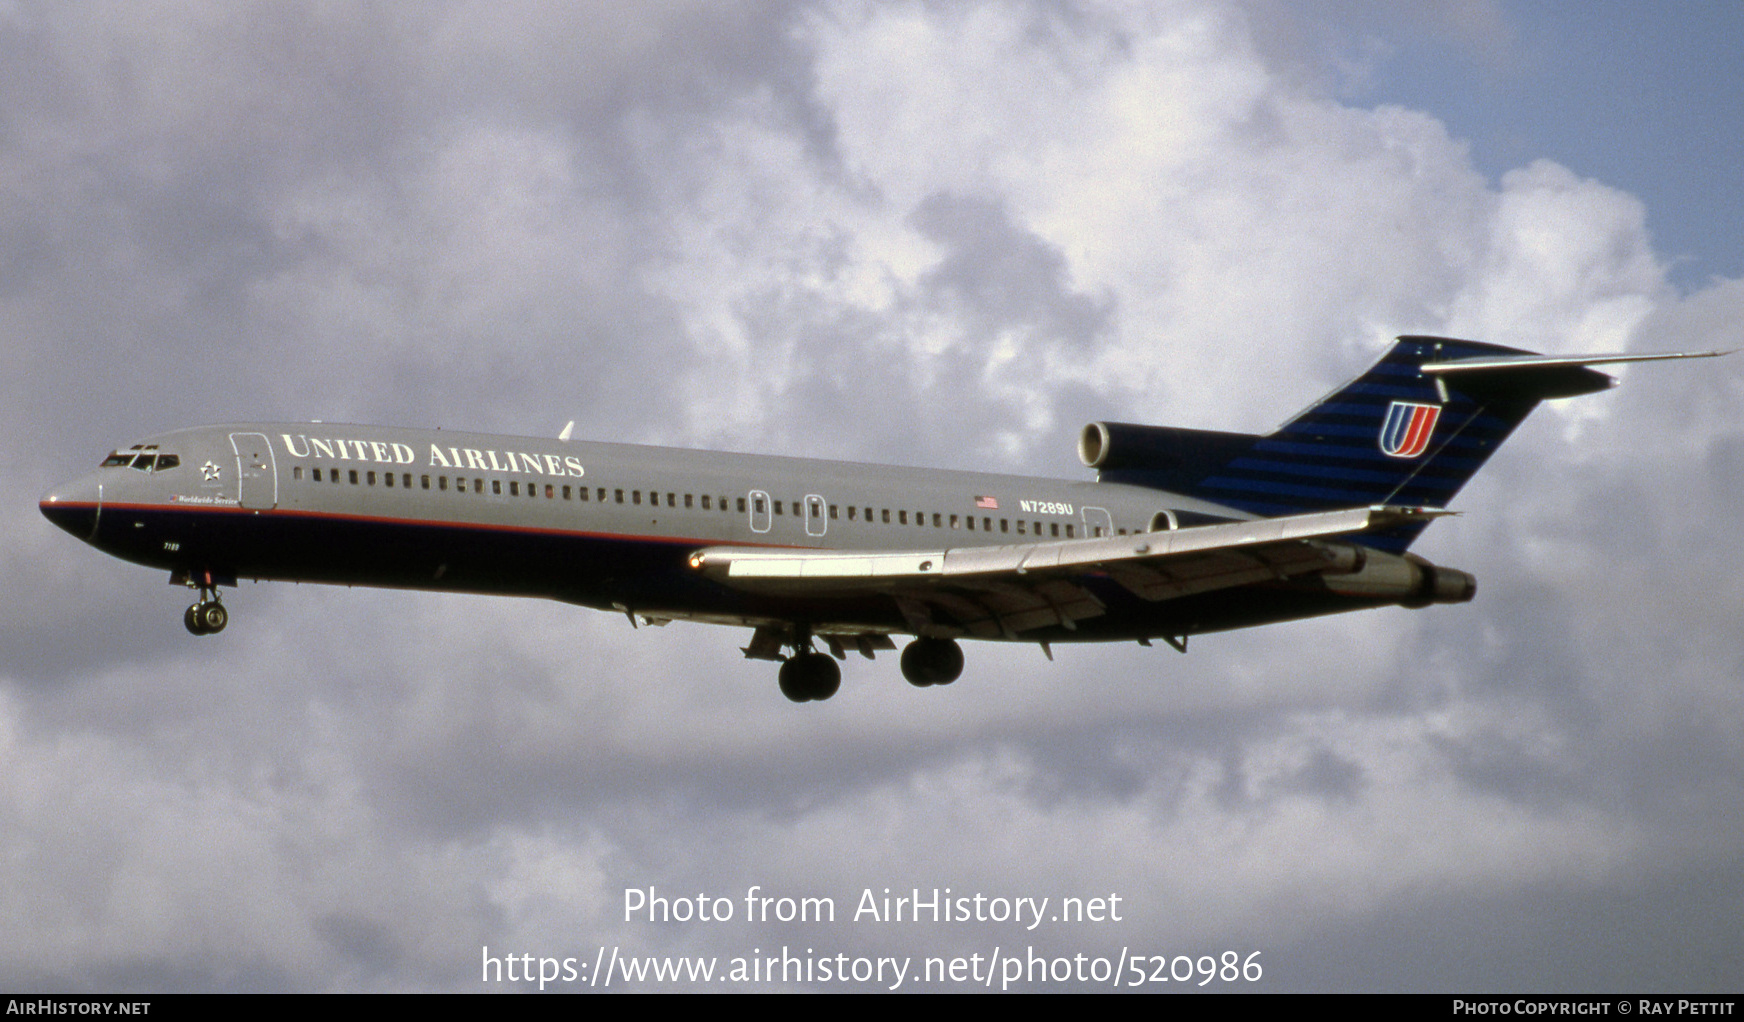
(209, 471)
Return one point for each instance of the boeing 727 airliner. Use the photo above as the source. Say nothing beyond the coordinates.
(1183, 532)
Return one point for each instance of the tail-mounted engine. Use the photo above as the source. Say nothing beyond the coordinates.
(1165, 457)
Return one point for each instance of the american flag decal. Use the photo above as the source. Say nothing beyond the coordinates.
(1406, 430)
(987, 503)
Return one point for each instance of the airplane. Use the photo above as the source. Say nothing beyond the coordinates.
(1183, 531)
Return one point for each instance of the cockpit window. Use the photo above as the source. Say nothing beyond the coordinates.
(144, 457)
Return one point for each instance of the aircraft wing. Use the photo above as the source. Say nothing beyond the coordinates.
(1000, 591)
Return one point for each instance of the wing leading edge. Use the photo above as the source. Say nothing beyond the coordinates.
(1002, 591)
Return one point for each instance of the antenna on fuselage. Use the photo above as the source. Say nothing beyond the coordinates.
(564, 436)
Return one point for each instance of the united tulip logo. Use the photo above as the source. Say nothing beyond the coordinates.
(1406, 431)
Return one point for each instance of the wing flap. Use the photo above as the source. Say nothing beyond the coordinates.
(1000, 591)
(1204, 572)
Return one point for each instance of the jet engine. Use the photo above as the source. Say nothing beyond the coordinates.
(1166, 455)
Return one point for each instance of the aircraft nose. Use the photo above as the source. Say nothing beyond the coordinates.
(75, 507)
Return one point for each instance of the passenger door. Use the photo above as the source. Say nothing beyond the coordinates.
(1097, 522)
(257, 477)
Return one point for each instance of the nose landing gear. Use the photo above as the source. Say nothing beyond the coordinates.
(208, 616)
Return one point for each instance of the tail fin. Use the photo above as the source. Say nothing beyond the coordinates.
(1409, 431)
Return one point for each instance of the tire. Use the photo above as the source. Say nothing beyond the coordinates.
(823, 676)
(214, 617)
(792, 679)
(810, 677)
(932, 662)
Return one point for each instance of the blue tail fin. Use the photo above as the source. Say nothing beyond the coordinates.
(1409, 431)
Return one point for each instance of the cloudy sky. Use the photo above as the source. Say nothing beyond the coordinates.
(934, 234)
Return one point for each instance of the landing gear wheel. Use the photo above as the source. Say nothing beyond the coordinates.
(208, 617)
(932, 662)
(792, 679)
(214, 617)
(826, 676)
(809, 676)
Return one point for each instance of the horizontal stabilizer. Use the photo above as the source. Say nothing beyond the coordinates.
(1540, 377)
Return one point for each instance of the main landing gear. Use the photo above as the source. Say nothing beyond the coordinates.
(207, 617)
(808, 675)
(932, 662)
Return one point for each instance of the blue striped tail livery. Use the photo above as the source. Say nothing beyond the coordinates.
(1410, 431)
